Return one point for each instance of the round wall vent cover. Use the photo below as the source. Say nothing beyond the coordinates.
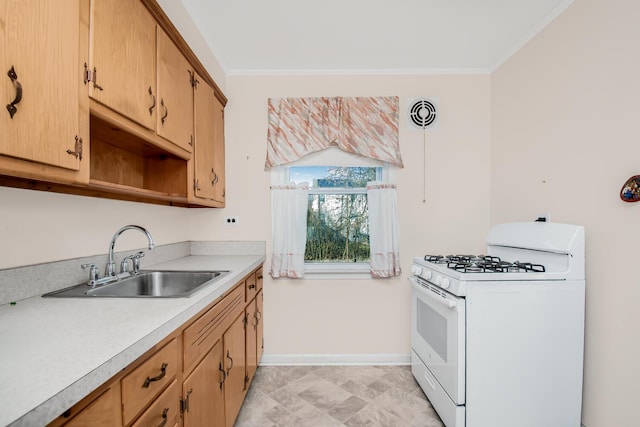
(423, 113)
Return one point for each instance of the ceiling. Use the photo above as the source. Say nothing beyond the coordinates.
(368, 36)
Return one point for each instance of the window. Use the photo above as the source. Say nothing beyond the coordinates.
(337, 215)
(326, 222)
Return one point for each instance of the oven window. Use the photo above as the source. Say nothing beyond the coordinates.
(432, 327)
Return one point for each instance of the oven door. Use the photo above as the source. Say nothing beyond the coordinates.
(438, 335)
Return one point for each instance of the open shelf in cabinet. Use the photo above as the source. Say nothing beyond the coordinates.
(122, 163)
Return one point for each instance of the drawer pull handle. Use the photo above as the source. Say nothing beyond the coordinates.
(158, 378)
(224, 375)
(231, 359)
(164, 417)
(11, 108)
(253, 286)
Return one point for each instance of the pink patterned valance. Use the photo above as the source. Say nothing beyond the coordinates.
(301, 126)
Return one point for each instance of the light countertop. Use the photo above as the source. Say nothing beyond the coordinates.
(55, 351)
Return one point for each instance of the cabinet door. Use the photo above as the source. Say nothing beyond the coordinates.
(251, 337)
(40, 43)
(209, 144)
(260, 327)
(175, 94)
(234, 359)
(123, 53)
(205, 391)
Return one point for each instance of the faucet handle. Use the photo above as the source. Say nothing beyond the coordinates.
(136, 262)
(124, 265)
(93, 273)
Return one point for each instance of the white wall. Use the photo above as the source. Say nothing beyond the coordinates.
(37, 227)
(360, 316)
(564, 140)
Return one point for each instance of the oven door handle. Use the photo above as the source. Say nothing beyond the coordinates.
(433, 296)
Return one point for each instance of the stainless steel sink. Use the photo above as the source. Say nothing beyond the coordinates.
(147, 284)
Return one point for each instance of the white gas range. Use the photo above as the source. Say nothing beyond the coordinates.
(497, 339)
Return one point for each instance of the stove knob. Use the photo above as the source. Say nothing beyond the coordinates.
(417, 270)
(445, 283)
(438, 280)
(428, 274)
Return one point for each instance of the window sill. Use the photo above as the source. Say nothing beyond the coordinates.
(350, 271)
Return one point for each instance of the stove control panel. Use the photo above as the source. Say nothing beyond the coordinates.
(435, 277)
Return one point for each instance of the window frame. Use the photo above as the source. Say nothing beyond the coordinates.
(334, 156)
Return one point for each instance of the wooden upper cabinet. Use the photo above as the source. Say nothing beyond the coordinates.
(40, 44)
(209, 145)
(123, 59)
(218, 153)
(175, 94)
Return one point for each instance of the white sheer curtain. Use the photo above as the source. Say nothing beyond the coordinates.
(384, 230)
(288, 227)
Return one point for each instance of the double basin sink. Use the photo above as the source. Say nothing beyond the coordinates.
(146, 284)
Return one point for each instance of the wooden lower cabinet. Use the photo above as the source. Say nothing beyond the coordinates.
(198, 376)
(253, 335)
(235, 385)
(203, 390)
(260, 327)
(251, 340)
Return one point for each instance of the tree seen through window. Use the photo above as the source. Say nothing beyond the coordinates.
(337, 215)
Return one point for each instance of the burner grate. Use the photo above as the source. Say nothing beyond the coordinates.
(484, 264)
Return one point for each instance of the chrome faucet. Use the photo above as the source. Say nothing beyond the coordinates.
(111, 265)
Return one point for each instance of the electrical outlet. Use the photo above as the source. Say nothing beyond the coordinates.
(543, 218)
(232, 220)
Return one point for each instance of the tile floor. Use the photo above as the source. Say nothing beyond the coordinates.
(336, 396)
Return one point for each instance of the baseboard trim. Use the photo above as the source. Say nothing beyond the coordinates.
(335, 359)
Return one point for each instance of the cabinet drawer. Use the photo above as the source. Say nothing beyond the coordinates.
(251, 287)
(149, 379)
(202, 334)
(165, 407)
(103, 412)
